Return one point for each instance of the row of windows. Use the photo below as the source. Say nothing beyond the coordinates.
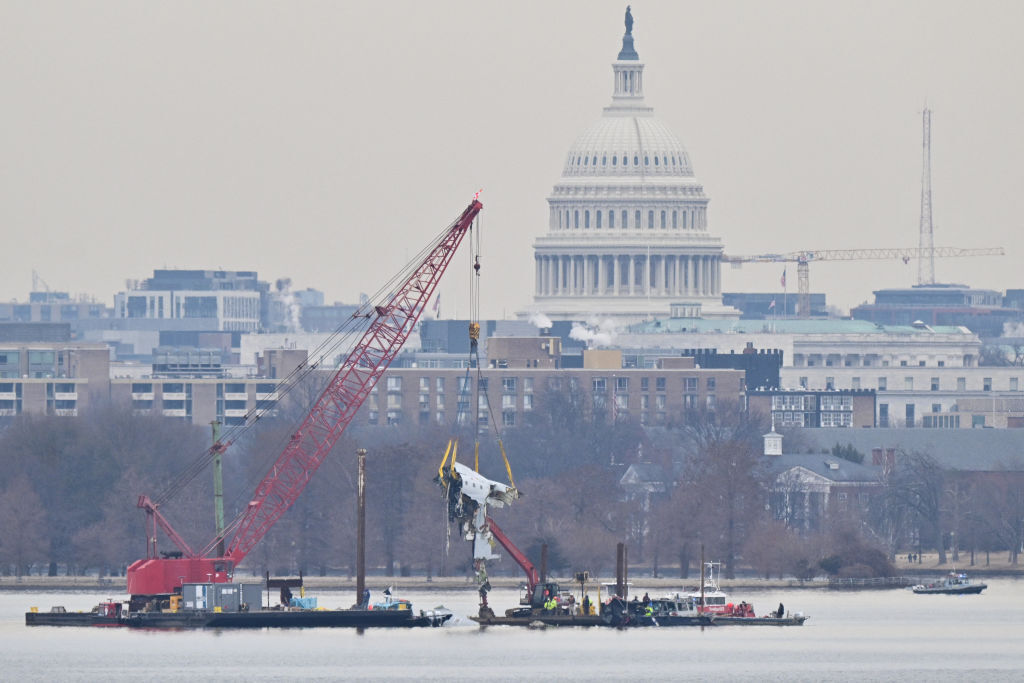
(854, 361)
(664, 219)
(934, 383)
(510, 385)
(665, 160)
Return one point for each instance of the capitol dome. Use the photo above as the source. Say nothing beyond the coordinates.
(627, 229)
(625, 146)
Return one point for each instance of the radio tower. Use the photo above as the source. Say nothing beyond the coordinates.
(926, 243)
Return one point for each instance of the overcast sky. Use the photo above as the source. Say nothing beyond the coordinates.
(328, 141)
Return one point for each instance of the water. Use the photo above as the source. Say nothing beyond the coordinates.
(888, 635)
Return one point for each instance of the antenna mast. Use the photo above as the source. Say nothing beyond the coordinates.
(926, 243)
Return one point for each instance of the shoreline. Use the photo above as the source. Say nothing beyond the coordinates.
(926, 570)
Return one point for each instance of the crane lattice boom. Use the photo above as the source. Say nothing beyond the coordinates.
(803, 258)
(391, 324)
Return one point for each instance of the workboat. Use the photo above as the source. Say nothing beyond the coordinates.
(954, 584)
(711, 599)
(675, 610)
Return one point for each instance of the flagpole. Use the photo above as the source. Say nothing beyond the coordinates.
(785, 294)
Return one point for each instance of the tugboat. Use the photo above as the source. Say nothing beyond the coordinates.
(954, 584)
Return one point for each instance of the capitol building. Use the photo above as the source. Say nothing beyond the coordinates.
(628, 232)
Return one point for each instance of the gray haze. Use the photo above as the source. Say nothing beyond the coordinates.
(327, 141)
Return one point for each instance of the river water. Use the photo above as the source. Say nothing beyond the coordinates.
(886, 635)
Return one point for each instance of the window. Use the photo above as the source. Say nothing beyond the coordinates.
(690, 384)
(508, 385)
(440, 401)
(802, 381)
(600, 384)
(986, 384)
(394, 384)
(508, 402)
(621, 384)
(1014, 384)
(424, 400)
(830, 384)
(659, 401)
(508, 419)
(883, 414)
(625, 221)
(424, 384)
(586, 218)
(920, 363)
(936, 407)
(622, 401)
(645, 402)
(644, 383)
(439, 385)
(650, 220)
(659, 383)
(711, 383)
(598, 216)
(663, 221)
(935, 383)
(465, 384)
(527, 402)
(527, 385)
(611, 220)
(910, 414)
(961, 384)
(881, 384)
(855, 383)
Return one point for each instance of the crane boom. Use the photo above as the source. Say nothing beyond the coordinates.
(350, 386)
(803, 258)
(390, 325)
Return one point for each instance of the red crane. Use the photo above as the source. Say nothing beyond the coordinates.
(389, 327)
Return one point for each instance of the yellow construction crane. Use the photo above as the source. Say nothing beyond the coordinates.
(803, 259)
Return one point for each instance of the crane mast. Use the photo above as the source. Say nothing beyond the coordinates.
(389, 327)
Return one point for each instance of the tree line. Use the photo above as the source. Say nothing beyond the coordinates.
(69, 486)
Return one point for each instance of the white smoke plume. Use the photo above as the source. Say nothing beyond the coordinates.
(291, 306)
(594, 332)
(1013, 329)
(540, 321)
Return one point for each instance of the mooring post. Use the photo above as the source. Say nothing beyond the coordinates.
(361, 527)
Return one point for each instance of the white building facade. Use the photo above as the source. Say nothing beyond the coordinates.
(628, 226)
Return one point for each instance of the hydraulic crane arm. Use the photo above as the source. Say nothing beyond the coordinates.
(349, 387)
(532, 575)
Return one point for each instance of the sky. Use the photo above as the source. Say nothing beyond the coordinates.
(328, 142)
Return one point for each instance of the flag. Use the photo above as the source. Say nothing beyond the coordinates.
(437, 305)
(771, 305)
(782, 280)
